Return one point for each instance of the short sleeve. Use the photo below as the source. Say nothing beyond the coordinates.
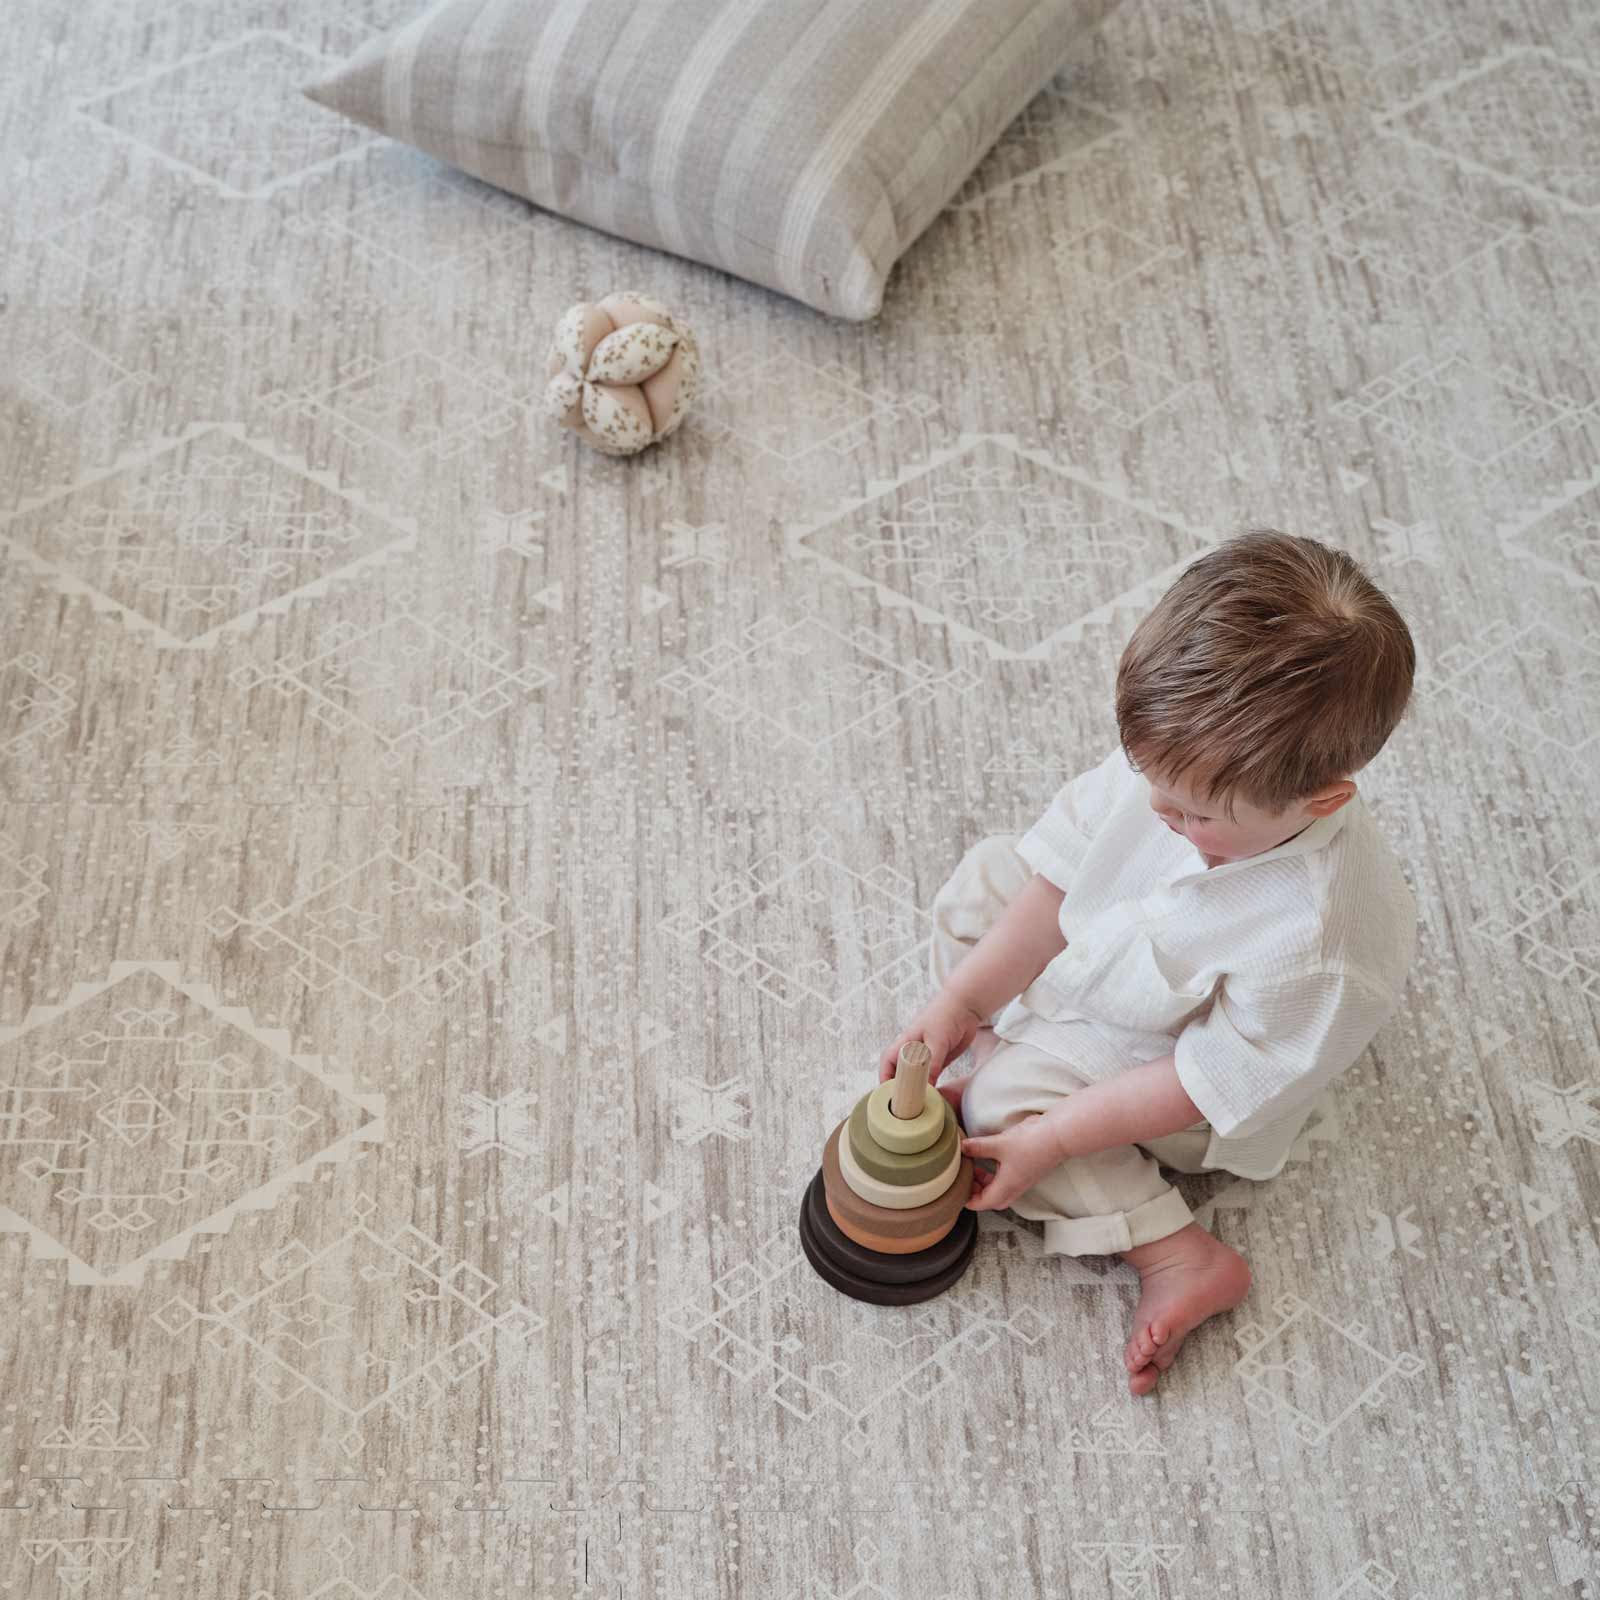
(1262, 1050)
(1057, 843)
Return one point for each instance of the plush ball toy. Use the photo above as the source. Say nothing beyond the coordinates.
(622, 373)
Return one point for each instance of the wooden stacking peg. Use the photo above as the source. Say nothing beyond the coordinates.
(911, 1079)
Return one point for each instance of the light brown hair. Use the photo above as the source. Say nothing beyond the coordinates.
(1271, 668)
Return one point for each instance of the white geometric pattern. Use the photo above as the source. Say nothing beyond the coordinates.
(1134, 1569)
(1535, 686)
(304, 1327)
(1112, 1431)
(750, 1327)
(143, 1058)
(1553, 924)
(1339, 35)
(1002, 544)
(402, 682)
(1060, 127)
(170, 838)
(1561, 534)
(1564, 1114)
(1423, 402)
(811, 931)
(77, 1561)
(504, 1124)
(102, 1431)
(804, 683)
(1527, 117)
(389, 926)
(1405, 237)
(230, 118)
(704, 1110)
(66, 374)
(1312, 1373)
(22, 887)
(432, 227)
(189, 538)
(784, 406)
(1374, 1581)
(100, 242)
(39, 701)
(416, 404)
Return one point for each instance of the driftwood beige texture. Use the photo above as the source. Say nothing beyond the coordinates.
(452, 882)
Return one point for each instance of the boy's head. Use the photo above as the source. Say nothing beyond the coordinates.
(1265, 677)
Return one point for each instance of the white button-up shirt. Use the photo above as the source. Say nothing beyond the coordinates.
(1265, 977)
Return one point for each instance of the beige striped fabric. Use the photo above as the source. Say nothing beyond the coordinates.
(801, 144)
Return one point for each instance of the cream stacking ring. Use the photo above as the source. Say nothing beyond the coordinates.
(905, 1135)
(896, 1196)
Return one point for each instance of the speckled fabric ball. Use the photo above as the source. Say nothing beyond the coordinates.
(622, 373)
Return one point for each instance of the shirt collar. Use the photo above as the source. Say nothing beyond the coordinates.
(1307, 840)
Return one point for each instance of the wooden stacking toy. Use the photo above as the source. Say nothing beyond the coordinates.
(885, 1218)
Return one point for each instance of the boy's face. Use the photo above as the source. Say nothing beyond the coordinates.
(1218, 837)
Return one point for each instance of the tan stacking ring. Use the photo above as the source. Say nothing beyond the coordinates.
(889, 1167)
(888, 1244)
(896, 1196)
(905, 1135)
(859, 1217)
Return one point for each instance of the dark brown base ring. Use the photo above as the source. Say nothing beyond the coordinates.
(880, 1266)
(873, 1277)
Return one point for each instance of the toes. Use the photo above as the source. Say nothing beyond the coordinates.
(1143, 1381)
(1165, 1358)
(1159, 1333)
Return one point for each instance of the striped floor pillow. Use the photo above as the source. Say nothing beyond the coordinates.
(802, 144)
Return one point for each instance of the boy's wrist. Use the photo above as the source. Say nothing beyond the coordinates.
(952, 994)
(1058, 1121)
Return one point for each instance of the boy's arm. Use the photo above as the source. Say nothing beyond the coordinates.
(1023, 941)
(1143, 1103)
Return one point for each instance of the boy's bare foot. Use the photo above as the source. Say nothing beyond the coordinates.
(1184, 1278)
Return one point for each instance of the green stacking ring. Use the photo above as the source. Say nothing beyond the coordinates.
(896, 1196)
(905, 1135)
(888, 1167)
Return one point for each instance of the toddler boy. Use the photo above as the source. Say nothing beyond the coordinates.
(1196, 937)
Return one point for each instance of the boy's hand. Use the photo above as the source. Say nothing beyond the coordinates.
(946, 1025)
(1026, 1151)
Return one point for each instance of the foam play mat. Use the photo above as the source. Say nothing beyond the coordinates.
(453, 883)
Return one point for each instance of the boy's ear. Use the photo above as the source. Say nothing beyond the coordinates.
(1326, 801)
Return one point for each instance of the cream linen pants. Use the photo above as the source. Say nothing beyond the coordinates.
(1090, 1205)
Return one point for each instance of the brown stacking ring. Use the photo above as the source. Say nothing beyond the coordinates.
(870, 1290)
(889, 1166)
(885, 1244)
(861, 1219)
(850, 1256)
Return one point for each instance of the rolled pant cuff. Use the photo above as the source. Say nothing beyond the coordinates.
(1122, 1230)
